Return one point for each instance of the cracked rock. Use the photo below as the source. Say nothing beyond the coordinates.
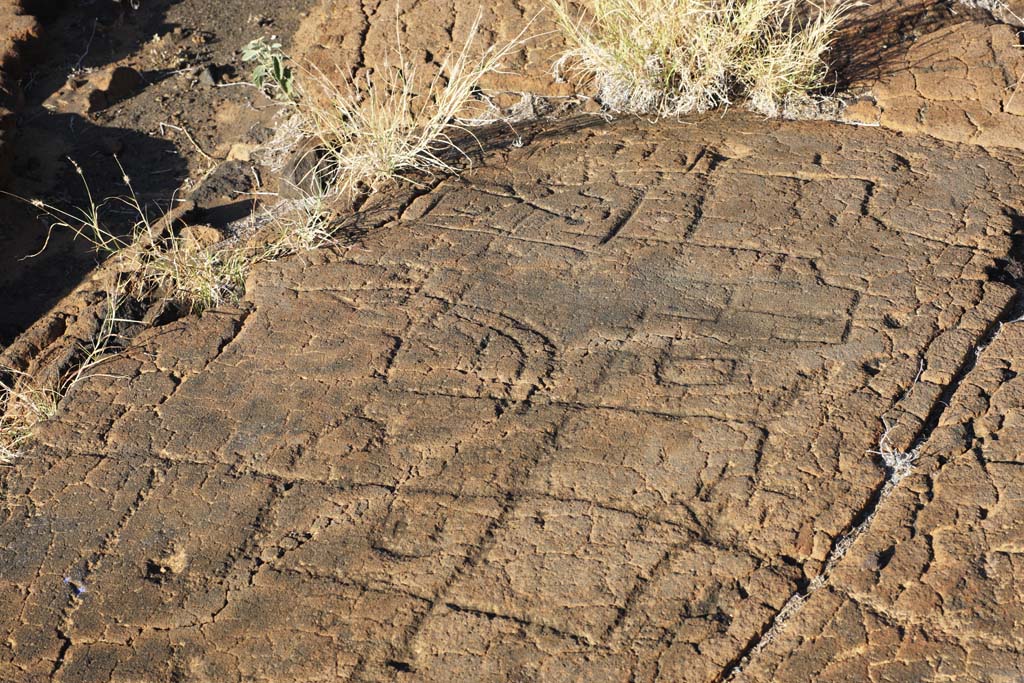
(602, 425)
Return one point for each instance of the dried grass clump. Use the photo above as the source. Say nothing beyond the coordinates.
(24, 403)
(198, 276)
(155, 261)
(672, 57)
(21, 409)
(387, 122)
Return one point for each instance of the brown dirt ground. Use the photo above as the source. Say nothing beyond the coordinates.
(166, 43)
(602, 408)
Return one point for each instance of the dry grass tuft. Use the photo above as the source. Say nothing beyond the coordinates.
(307, 224)
(372, 129)
(157, 262)
(672, 57)
(196, 276)
(24, 403)
(21, 409)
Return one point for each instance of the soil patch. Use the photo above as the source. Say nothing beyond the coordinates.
(114, 81)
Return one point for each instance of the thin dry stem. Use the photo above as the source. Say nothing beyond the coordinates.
(156, 264)
(24, 403)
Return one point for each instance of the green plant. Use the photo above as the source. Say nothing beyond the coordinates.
(271, 71)
(670, 57)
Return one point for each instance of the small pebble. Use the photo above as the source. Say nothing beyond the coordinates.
(207, 77)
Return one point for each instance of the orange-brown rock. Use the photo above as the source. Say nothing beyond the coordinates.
(702, 400)
(944, 70)
(351, 36)
(595, 410)
(934, 590)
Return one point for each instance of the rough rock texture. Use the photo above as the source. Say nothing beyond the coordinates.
(933, 592)
(957, 83)
(595, 410)
(605, 408)
(941, 69)
(17, 27)
(352, 36)
(97, 90)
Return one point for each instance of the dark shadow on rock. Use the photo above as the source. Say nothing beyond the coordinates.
(1010, 270)
(74, 36)
(39, 266)
(871, 40)
(222, 215)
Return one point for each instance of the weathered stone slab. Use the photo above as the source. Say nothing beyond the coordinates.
(595, 409)
(948, 70)
(933, 589)
(957, 82)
